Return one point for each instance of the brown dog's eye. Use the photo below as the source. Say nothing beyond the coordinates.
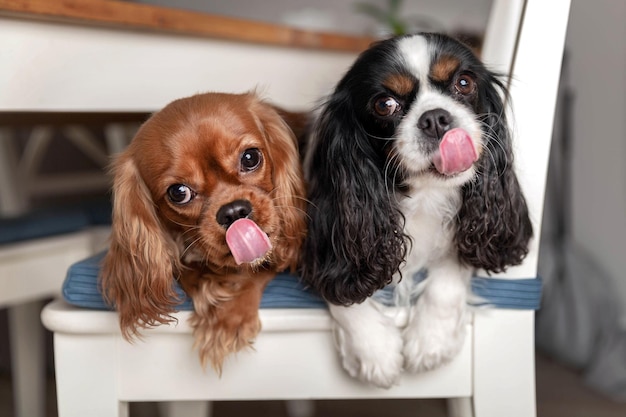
(251, 159)
(180, 194)
(465, 84)
(386, 106)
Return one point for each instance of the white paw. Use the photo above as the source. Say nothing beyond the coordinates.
(374, 354)
(431, 341)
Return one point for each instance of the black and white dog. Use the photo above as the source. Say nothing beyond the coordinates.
(410, 168)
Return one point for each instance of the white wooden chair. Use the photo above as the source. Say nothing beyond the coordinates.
(98, 373)
(23, 297)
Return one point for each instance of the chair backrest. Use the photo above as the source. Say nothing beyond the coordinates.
(516, 45)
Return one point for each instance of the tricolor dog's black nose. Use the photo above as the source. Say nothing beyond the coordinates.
(228, 213)
(435, 123)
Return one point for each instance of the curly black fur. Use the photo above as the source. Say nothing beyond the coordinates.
(493, 226)
(355, 242)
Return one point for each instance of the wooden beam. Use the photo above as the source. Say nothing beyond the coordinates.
(154, 18)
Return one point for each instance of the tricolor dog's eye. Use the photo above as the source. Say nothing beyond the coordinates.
(465, 84)
(251, 159)
(386, 106)
(180, 194)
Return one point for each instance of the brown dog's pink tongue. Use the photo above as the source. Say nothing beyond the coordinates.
(246, 241)
(456, 152)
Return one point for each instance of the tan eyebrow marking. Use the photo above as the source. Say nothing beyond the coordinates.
(399, 84)
(444, 68)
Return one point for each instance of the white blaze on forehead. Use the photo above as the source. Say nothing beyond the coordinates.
(415, 52)
(410, 142)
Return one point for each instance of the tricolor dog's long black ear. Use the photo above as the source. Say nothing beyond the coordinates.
(355, 241)
(494, 227)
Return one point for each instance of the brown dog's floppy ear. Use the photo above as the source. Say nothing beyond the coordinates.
(137, 274)
(289, 191)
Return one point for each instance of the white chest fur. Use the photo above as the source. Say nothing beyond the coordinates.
(430, 221)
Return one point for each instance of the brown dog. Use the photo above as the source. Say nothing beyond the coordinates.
(209, 193)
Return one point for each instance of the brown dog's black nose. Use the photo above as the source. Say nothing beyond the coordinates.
(230, 212)
(435, 123)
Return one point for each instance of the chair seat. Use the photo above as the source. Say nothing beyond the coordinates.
(54, 221)
(286, 291)
(148, 368)
(81, 289)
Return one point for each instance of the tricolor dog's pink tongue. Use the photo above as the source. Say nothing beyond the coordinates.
(456, 152)
(246, 241)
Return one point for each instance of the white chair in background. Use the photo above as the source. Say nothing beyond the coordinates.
(31, 272)
(98, 373)
(32, 269)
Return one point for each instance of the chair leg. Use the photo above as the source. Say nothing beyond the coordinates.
(504, 363)
(300, 408)
(86, 376)
(185, 409)
(28, 359)
(460, 407)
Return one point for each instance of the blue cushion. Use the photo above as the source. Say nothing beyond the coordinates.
(286, 291)
(523, 294)
(54, 221)
(81, 289)
(493, 292)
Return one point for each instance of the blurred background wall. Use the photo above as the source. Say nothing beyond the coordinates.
(596, 42)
